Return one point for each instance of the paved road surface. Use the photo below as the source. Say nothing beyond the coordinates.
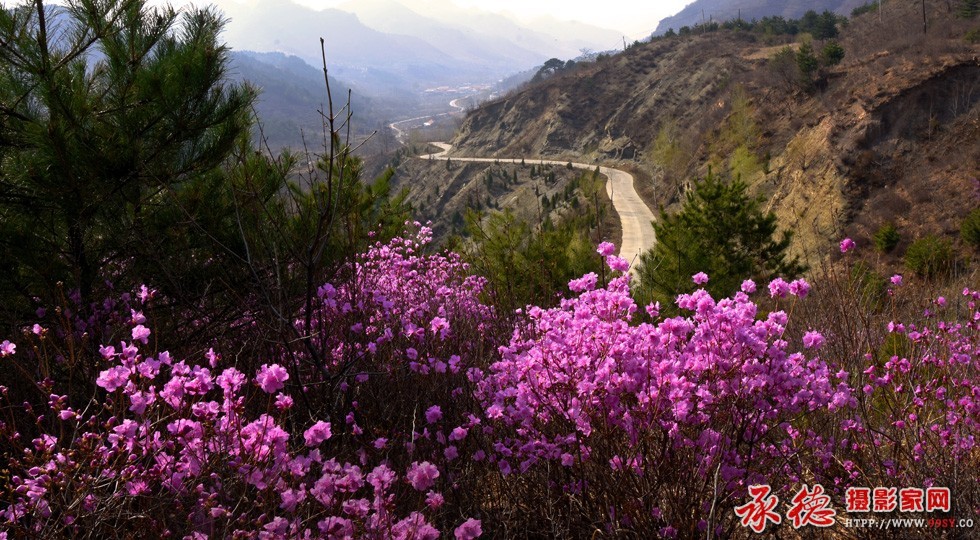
(413, 122)
(634, 214)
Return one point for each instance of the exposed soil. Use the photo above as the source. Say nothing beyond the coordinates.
(892, 134)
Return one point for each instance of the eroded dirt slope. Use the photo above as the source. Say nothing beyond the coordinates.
(891, 134)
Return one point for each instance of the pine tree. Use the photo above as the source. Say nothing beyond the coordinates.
(108, 107)
(806, 60)
(968, 9)
(832, 54)
(720, 231)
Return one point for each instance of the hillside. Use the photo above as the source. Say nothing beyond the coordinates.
(291, 92)
(891, 134)
(533, 193)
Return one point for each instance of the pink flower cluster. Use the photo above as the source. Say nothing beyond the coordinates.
(400, 299)
(930, 393)
(419, 401)
(583, 372)
(184, 434)
(190, 433)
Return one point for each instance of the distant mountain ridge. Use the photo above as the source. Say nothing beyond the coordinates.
(724, 10)
(486, 39)
(353, 50)
(382, 47)
(291, 92)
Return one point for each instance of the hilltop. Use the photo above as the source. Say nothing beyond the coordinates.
(702, 11)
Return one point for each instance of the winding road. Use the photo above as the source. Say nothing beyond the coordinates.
(400, 133)
(634, 215)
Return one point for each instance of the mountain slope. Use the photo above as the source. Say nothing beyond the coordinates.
(355, 52)
(291, 93)
(497, 53)
(383, 48)
(552, 41)
(724, 10)
(890, 134)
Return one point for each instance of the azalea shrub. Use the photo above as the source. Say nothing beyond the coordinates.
(700, 406)
(409, 408)
(197, 448)
(919, 417)
(173, 449)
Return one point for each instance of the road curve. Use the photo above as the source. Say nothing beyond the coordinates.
(400, 133)
(634, 215)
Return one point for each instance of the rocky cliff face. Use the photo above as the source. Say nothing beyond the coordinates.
(891, 134)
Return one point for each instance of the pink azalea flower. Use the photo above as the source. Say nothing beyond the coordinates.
(415, 527)
(618, 264)
(140, 400)
(799, 288)
(813, 340)
(271, 378)
(434, 500)
(846, 245)
(422, 475)
(283, 402)
(450, 453)
(470, 529)
(382, 477)
(778, 288)
(439, 326)
(700, 278)
(317, 433)
(433, 414)
(146, 293)
(231, 380)
(141, 333)
(7, 348)
(606, 249)
(113, 378)
(584, 283)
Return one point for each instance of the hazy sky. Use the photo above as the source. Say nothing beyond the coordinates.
(630, 16)
(634, 17)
